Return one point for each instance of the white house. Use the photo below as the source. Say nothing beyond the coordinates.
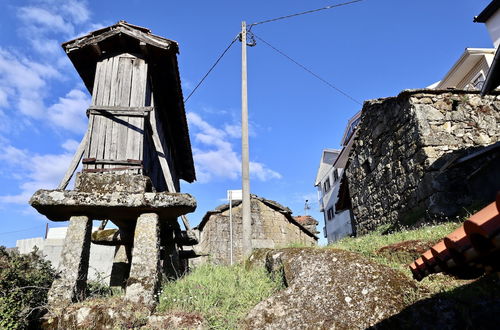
(338, 223)
(470, 71)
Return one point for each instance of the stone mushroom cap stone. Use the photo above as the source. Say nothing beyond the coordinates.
(60, 205)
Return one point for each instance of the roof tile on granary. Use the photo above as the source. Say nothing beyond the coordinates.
(475, 243)
(270, 203)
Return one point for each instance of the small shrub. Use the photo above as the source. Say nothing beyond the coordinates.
(222, 294)
(24, 284)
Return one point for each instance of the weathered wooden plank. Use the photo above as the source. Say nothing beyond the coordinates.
(159, 153)
(112, 103)
(96, 122)
(125, 79)
(113, 169)
(75, 161)
(109, 127)
(131, 162)
(123, 113)
(117, 108)
(103, 99)
(137, 99)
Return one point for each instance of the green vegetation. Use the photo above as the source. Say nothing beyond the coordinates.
(24, 283)
(370, 245)
(398, 249)
(221, 294)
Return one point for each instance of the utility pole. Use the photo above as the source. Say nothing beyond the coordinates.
(245, 168)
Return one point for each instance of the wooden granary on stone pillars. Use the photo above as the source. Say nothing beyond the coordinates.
(134, 153)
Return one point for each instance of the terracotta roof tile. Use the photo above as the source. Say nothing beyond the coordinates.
(475, 243)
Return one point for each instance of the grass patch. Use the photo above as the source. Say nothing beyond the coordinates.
(374, 246)
(223, 295)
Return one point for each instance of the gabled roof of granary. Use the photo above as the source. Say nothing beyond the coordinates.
(160, 54)
(270, 203)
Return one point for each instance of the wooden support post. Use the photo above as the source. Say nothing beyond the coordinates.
(165, 168)
(75, 161)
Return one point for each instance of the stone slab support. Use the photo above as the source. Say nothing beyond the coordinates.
(71, 284)
(145, 269)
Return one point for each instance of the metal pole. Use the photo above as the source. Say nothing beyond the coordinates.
(245, 168)
(231, 227)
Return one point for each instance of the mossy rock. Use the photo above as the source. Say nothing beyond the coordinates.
(330, 288)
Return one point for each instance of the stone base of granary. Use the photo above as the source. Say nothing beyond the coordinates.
(145, 271)
(146, 247)
(71, 282)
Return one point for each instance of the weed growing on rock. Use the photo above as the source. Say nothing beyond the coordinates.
(223, 295)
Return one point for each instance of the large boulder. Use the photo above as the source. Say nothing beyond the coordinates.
(329, 288)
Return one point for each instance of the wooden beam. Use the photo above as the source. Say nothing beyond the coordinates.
(117, 113)
(74, 162)
(163, 162)
(130, 162)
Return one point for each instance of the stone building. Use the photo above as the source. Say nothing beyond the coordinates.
(424, 153)
(273, 226)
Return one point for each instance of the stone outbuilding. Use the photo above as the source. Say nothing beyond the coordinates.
(423, 154)
(273, 226)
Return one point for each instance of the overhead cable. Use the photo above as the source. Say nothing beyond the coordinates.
(309, 71)
(303, 13)
(211, 68)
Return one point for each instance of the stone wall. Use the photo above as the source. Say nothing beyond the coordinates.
(270, 229)
(402, 165)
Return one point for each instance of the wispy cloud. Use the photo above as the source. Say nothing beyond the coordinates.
(34, 171)
(69, 112)
(214, 155)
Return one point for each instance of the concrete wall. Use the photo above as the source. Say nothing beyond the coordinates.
(397, 169)
(101, 257)
(270, 229)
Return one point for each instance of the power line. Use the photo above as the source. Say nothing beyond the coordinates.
(211, 68)
(303, 13)
(309, 71)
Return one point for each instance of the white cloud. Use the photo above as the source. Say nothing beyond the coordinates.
(70, 145)
(69, 112)
(36, 171)
(23, 82)
(262, 172)
(40, 20)
(214, 155)
(77, 10)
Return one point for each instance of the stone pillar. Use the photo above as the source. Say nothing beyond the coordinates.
(145, 269)
(74, 266)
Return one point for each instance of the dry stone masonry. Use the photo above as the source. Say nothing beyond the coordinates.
(272, 227)
(422, 154)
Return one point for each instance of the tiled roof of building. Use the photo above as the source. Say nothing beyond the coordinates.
(474, 244)
(306, 220)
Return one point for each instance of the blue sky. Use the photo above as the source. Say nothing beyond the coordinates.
(369, 49)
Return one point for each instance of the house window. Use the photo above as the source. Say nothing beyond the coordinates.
(329, 213)
(326, 185)
(335, 175)
(477, 82)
